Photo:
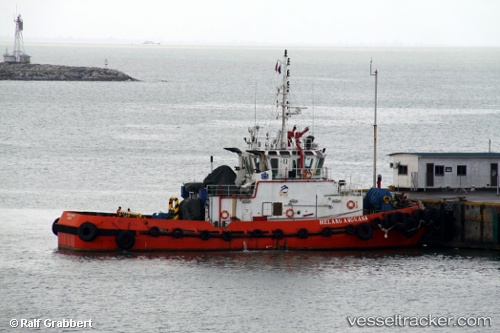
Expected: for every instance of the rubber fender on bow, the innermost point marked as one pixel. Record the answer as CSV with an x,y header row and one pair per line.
x,y
411,226
54,226
125,240
87,231
376,223
388,221
364,231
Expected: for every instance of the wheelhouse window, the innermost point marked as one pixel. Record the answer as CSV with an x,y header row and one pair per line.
x,y
274,167
402,170
309,162
461,170
439,170
319,165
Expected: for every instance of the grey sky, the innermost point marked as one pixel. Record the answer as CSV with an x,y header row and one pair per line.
x,y
261,22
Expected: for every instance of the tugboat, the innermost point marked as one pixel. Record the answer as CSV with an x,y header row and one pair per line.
x,y
279,196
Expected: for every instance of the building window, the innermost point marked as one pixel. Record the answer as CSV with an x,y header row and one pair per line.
x,y
461,170
439,170
402,170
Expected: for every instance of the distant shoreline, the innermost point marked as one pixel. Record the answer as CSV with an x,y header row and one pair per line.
x,y
40,72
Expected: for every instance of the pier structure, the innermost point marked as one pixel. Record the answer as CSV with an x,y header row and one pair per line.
x,y
470,220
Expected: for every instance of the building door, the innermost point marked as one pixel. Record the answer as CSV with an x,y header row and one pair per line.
x,y
494,174
429,175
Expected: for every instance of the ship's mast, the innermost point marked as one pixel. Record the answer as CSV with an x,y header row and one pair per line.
x,y
374,129
285,88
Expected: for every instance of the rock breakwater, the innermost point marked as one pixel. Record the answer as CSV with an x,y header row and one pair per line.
x,y
38,72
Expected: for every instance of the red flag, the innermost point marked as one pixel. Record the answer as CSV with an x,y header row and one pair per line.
x,y
277,68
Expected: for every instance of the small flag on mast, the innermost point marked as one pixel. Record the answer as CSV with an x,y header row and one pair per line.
x,y
277,68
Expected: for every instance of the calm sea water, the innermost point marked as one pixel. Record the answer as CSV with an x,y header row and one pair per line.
x,y
99,145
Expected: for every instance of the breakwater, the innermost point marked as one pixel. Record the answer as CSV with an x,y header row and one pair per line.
x,y
39,72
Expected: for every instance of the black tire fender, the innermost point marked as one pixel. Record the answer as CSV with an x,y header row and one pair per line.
x,y
227,236
303,233
278,234
125,240
376,222
205,235
257,233
364,231
178,233
154,231
350,229
87,231
327,231
54,226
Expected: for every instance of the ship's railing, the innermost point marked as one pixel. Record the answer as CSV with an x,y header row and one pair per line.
x,y
229,190
300,173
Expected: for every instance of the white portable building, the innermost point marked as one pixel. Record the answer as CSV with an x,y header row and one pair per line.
x,y
426,171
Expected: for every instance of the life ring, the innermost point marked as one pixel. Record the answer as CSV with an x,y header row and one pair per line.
x,y
290,213
87,231
303,233
278,234
307,174
227,236
350,204
154,231
364,231
224,214
125,240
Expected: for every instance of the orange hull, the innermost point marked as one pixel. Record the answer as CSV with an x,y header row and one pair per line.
x,y
85,231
